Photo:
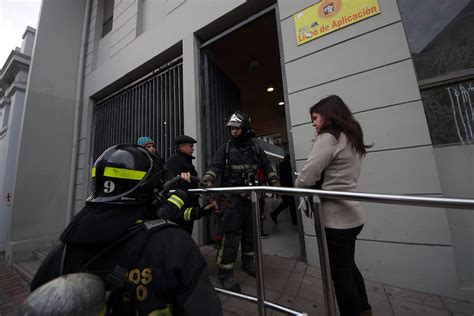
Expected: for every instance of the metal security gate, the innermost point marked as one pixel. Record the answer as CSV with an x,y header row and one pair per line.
x,y
152,107
220,98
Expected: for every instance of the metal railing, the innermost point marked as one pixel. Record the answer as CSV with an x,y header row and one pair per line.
x,y
320,231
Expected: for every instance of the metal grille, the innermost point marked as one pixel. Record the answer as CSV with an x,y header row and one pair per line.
x,y
221,98
151,107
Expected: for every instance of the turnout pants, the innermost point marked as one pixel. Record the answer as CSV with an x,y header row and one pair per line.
x,y
237,225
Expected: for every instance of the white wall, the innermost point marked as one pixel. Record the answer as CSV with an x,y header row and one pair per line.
x,y
369,65
44,156
456,171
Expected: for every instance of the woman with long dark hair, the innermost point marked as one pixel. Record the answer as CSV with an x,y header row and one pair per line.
x,y
334,163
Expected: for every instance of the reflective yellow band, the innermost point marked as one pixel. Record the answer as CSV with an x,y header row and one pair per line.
x,y
139,221
220,252
271,174
228,266
244,167
124,173
93,172
187,214
164,311
102,311
176,201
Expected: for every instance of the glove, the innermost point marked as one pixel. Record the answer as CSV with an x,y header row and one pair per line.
x,y
207,181
203,212
209,208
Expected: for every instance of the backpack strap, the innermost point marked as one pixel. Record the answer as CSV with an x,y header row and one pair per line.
x,y
226,159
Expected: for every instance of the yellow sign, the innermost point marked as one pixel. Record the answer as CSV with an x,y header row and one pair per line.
x,y
328,16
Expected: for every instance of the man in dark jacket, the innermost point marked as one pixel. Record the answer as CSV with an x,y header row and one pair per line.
x,y
287,200
237,161
182,161
150,265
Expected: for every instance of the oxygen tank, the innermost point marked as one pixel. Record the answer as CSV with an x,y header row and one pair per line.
x,y
77,294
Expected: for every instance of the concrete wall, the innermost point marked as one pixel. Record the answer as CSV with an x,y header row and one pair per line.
x,y
43,169
369,65
456,171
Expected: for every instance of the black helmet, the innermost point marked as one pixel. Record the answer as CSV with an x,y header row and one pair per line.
x,y
125,174
242,120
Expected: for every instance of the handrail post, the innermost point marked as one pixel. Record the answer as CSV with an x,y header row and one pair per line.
x,y
319,227
258,255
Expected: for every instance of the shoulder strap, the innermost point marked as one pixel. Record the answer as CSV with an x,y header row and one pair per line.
x,y
226,159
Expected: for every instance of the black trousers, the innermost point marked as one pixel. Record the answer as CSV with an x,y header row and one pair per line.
x,y
349,285
287,201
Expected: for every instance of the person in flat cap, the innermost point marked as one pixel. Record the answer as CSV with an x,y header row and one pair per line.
x,y
182,161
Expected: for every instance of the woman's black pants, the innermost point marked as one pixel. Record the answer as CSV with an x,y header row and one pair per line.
x,y
349,285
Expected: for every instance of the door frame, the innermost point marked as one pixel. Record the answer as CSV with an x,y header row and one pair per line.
x,y
203,45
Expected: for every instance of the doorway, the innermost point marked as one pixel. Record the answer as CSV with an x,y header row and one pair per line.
x,y
241,70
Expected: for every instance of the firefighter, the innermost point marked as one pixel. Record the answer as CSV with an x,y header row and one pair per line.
x,y
237,162
182,161
150,265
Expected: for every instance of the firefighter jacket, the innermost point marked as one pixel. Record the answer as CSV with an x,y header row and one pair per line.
x,y
236,160
176,164
163,269
181,212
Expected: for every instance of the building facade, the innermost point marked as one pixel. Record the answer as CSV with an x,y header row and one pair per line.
x,y
13,82
107,71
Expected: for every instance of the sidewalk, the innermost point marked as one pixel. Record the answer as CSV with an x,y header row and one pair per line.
x,y
288,282
13,289
294,284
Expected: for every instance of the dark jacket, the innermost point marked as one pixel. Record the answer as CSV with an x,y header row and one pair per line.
x,y
176,164
284,169
181,162
244,158
164,267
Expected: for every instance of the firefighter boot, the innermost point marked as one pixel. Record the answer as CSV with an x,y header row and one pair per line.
x,y
228,282
248,265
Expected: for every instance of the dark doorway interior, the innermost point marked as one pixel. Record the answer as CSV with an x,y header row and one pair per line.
x,y
250,58
242,70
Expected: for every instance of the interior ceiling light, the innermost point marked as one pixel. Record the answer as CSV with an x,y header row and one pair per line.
x,y
281,103
269,87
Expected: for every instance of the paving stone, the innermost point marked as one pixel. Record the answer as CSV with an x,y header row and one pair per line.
x,y
309,307
240,307
300,267
287,300
380,304
270,295
414,297
294,283
402,307
275,279
279,263
458,308
311,289
313,271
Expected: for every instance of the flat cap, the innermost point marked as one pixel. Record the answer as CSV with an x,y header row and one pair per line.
x,y
184,139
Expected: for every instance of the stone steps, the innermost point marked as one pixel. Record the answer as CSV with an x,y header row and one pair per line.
x,y
28,267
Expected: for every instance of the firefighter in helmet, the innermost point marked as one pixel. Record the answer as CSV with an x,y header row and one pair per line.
x,y
150,265
237,162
